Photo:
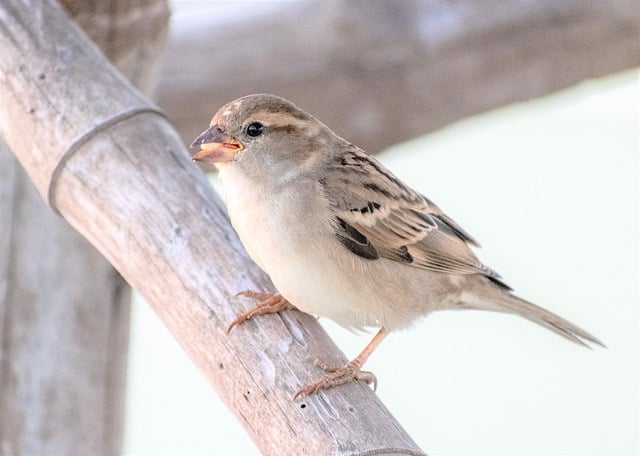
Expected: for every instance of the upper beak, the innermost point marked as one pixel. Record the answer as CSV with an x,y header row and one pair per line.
x,y
215,146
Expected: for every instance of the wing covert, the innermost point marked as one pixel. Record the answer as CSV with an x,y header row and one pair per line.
x,y
377,216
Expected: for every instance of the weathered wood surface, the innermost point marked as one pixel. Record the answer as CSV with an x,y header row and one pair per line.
x,y
131,34
65,315
119,174
380,73
64,310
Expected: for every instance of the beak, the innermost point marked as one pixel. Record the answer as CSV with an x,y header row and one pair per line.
x,y
215,146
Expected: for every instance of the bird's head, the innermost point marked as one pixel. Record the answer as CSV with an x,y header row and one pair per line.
x,y
263,131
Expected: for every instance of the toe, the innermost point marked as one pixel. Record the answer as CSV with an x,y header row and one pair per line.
x,y
325,366
269,303
337,376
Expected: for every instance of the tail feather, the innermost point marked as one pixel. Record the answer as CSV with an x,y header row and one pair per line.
x,y
508,303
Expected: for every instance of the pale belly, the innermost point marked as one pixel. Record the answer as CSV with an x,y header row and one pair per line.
x,y
330,281
319,276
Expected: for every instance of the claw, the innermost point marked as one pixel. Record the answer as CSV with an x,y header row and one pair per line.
x,y
337,375
254,294
325,366
269,303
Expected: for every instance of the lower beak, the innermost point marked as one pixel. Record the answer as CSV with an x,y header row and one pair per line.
x,y
215,146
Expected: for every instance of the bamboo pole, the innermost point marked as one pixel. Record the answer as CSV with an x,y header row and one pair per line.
x,y
107,160
64,310
64,332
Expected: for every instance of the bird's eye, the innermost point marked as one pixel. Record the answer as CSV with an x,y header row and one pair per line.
x,y
254,129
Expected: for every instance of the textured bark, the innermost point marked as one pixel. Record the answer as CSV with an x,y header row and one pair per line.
x,y
64,310
112,166
131,34
379,73
65,315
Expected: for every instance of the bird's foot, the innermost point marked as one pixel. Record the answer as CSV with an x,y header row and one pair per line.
x,y
269,303
337,375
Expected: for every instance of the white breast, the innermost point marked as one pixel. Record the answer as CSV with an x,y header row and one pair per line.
x,y
268,220
289,235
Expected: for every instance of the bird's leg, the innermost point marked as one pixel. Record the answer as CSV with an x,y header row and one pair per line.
x,y
269,303
339,375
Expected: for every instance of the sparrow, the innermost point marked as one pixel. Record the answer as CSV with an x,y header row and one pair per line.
x,y
341,236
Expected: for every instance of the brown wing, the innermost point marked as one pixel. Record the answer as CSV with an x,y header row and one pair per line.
x,y
377,216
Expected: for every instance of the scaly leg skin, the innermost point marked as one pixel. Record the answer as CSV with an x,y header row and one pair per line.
x,y
269,303
337,375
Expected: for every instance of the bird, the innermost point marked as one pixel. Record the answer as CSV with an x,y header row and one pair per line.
x,y
341,236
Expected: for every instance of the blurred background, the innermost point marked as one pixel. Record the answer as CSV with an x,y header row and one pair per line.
x,y
550,188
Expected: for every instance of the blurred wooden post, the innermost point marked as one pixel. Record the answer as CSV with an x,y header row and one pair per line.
x,y
64,310
112,166
378,72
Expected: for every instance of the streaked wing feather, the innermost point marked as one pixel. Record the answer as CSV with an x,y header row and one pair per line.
x,y
379,216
